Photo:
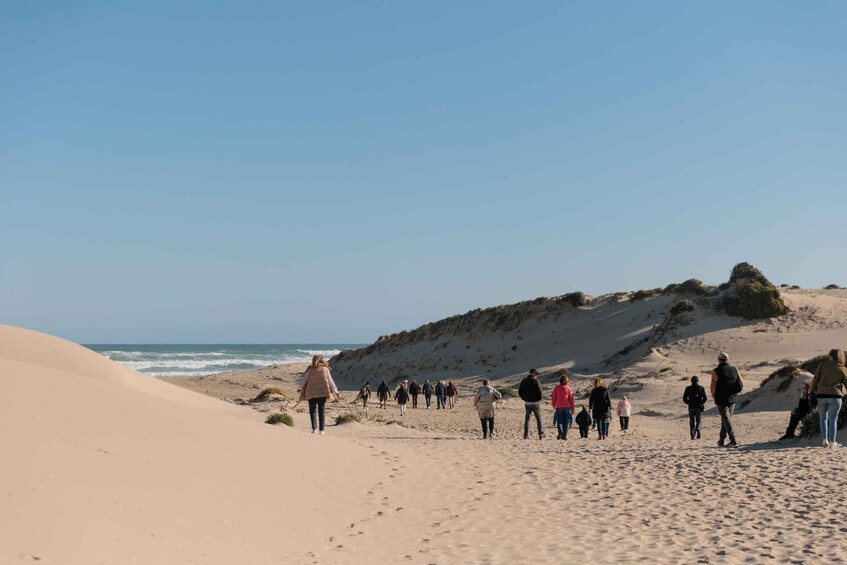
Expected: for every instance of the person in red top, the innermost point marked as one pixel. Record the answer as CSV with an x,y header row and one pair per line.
x,y
563,403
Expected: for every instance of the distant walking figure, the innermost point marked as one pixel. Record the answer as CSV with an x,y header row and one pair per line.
x,y
726,384
427,392
484,400
797,415
316,386
414,390
530,392
583,420
695,397
563,404
452,393
828,385
624,410
402,397
382,394
441,395
365,394
601,407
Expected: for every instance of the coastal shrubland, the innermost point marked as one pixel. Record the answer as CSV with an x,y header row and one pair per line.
x,y
684,305
346,419
268,393
280,418
691,286
749,294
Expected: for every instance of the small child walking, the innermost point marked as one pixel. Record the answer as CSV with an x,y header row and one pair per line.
x,y
584,421
624,410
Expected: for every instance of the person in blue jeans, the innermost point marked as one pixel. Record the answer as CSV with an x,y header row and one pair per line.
x,y
600,405
829,387
441,395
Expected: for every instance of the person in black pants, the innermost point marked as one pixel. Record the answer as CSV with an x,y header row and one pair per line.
x,y
695,397
414,390
583,420
530,392
797,415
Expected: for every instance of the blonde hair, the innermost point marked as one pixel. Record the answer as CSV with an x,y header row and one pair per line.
x,y
600,383
318,361
837,356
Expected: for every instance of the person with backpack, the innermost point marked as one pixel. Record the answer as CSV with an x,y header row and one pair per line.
x,y
427,392
452,393
563,404
484,400
828,386
583,420
414,390
365,394
695,397
530,392
382,393
316,386
402,397
624,410
441,395
726,384
600,405
803,408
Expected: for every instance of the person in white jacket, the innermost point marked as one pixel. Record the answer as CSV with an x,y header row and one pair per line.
x,y
624,410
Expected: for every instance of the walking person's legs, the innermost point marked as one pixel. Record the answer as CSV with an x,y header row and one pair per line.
x,y
491,427
313,412
537,411
828,408
726,422
526,421
321,413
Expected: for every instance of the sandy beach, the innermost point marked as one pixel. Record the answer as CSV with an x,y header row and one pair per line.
x,y
110,466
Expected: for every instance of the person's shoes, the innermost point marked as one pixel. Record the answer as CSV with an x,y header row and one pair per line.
x,y
314,431
835,444
484,436
720,443
323,433
732,445
559,435
526,437
825,443
692,435
785,437
698,434
541,436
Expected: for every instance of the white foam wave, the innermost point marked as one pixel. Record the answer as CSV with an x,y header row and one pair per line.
x,y
324,352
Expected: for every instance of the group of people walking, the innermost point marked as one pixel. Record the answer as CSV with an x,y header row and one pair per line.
x,y
445,394
825,392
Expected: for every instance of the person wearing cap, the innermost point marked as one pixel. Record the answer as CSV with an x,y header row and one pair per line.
x,y
726,384
695,397
530,392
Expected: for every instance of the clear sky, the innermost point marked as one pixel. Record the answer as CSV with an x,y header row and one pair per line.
x,y
333,171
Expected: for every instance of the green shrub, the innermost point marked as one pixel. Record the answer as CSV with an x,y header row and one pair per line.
x,y
670,288
576,299
684,305
346,419
507,391
754,300
692,286
645,294
787,374
747,272
831,287
267,393
280,418
795,287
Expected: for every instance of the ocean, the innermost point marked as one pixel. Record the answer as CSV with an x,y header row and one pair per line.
x,y
206,359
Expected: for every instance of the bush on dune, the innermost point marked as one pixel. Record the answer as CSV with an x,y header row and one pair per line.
x,y
751,295
831,287
346,419
692,286
268,393
576,299
507,392
645,294
684,305
280,418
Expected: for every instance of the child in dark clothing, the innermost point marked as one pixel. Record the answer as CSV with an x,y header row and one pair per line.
x,y
583,420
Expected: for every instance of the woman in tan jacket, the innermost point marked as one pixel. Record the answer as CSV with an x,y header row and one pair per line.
x,y
317,386
828,385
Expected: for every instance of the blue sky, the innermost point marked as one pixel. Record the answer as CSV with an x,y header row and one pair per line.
x,y
327,172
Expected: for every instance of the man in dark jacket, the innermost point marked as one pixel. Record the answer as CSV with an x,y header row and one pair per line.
x,y
726,384
414,390
695,397
530,393
427,392
382,393
441,395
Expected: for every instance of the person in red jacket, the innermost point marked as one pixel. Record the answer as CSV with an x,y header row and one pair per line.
x,y
563,403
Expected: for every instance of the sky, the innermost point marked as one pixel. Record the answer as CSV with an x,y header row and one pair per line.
x,y
278,172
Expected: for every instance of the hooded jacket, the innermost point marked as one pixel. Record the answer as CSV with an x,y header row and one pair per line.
x,y
695,397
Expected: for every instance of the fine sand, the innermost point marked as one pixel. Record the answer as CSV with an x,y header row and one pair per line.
x,y
104,465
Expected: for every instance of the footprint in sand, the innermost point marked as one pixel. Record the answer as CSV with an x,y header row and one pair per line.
x,y
28,557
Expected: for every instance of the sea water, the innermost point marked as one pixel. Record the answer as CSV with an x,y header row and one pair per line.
x,y
194,360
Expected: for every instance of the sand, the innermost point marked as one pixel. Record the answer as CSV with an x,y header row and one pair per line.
x,y
104,465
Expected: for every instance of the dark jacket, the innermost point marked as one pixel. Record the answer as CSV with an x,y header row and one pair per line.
x,y
451,390
382,390
695,397
583,420
599,402
530,389
727,384
803,407
402,395
414,389
427,389
440,390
